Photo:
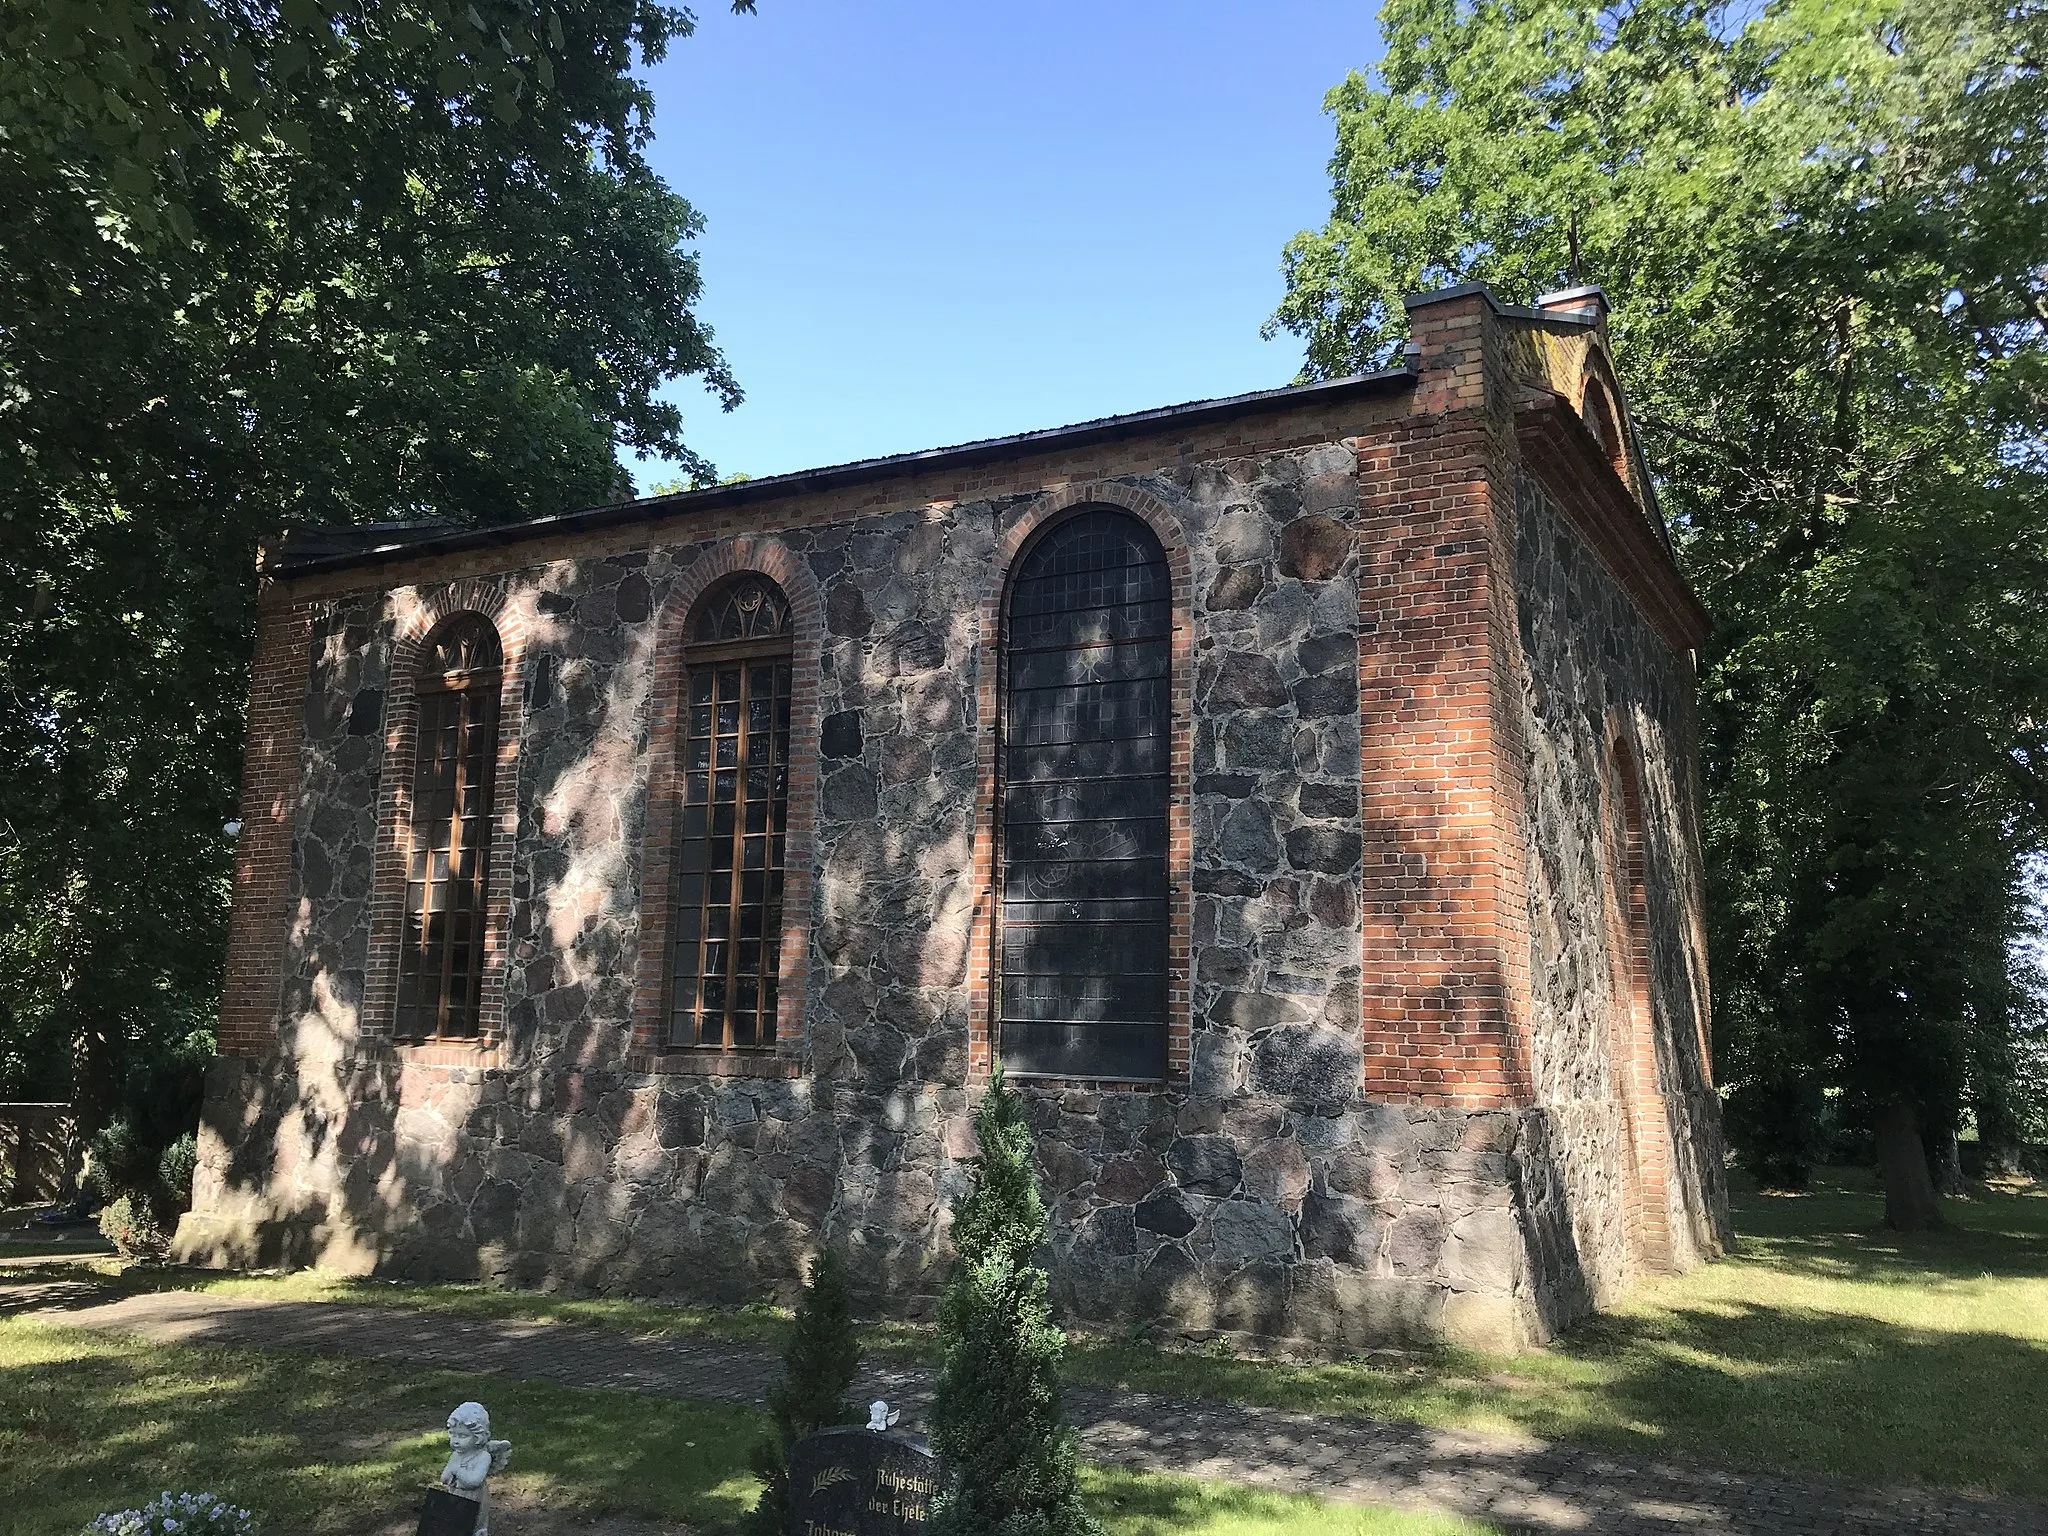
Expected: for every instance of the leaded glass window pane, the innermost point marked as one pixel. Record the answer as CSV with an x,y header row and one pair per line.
x,y
752,608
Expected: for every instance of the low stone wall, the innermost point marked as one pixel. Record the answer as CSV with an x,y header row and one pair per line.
x,y
1346,1225
38,1153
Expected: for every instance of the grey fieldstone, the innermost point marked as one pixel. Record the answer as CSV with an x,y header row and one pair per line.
x,y
1168,1214
1306,1061
1205,1165
1248,1232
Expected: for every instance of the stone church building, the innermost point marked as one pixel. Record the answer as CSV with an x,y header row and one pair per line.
x,y
1295,792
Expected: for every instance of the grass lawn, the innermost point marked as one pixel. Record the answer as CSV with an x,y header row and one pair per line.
x,y
91,1422
1823,1344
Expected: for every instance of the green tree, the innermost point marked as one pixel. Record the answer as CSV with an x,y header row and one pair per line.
x,y
998,1425
1821,226
818,1370
274,262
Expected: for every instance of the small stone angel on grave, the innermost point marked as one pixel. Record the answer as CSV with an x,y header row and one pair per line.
x,y
881,1416
473,1456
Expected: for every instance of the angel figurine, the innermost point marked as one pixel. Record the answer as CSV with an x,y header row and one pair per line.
x,y
473,1456
881,1416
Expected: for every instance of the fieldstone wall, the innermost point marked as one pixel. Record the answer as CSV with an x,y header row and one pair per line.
x,y
1592,670
1267,1197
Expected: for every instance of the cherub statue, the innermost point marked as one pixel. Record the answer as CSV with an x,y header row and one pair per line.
x,y
881,1416
473,1456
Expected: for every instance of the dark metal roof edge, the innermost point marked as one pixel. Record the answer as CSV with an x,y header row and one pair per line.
x,y
832,475
1444,295
1584,317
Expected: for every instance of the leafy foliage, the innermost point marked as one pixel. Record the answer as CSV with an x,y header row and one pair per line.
x,y
273,262
998,1425
1820,225
819,1366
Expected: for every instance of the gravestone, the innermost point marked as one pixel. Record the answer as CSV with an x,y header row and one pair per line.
x,y
445,1514
855,1482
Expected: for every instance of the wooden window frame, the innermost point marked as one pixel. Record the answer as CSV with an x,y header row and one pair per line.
x,y
744,656
483,685
711,567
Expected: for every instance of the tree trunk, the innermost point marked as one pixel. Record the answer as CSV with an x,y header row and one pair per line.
x,y
1910,1203
1945,1164
1998,1130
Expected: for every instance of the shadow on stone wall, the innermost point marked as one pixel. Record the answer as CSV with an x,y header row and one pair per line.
x,y
1272,1200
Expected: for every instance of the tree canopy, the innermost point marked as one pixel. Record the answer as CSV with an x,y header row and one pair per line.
x,y
275,262
1821,226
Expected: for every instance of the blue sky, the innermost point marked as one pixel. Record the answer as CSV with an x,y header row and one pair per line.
x,y
929,223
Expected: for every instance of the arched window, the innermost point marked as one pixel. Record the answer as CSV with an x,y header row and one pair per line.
x,y
448,839
1084,759
735,819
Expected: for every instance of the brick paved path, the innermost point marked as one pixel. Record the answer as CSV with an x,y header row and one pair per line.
x,y
1519,1483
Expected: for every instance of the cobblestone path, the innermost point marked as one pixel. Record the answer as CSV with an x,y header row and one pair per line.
x,y
1521,1484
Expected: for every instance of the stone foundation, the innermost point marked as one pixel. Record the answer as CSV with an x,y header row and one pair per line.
x,y
1334,1225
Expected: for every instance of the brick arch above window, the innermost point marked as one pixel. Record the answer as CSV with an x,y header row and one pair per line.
x,y
675,636
1021,528
1600,409
419,613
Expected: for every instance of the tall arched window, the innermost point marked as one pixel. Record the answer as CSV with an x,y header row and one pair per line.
x,y
448,841
735,819
1084,756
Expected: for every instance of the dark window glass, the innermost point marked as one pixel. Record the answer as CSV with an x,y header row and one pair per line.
x,y
448,837
734,820
1084,785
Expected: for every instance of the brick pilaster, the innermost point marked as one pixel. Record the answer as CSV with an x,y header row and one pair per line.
x,y
1446,997
251,992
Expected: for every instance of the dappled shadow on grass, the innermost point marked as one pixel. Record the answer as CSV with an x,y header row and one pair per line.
x,y
91,1422
1825,1345
1436,1387
1838,1233
1147,1504
761,1323
1791,1387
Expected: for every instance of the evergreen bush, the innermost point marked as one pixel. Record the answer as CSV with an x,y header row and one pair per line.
x,y
175,1169
118,1162
999,1427
819,1367
130,1224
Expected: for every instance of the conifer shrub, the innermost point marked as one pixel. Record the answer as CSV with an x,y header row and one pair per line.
x,y
130,1223
999,1427
818,1371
